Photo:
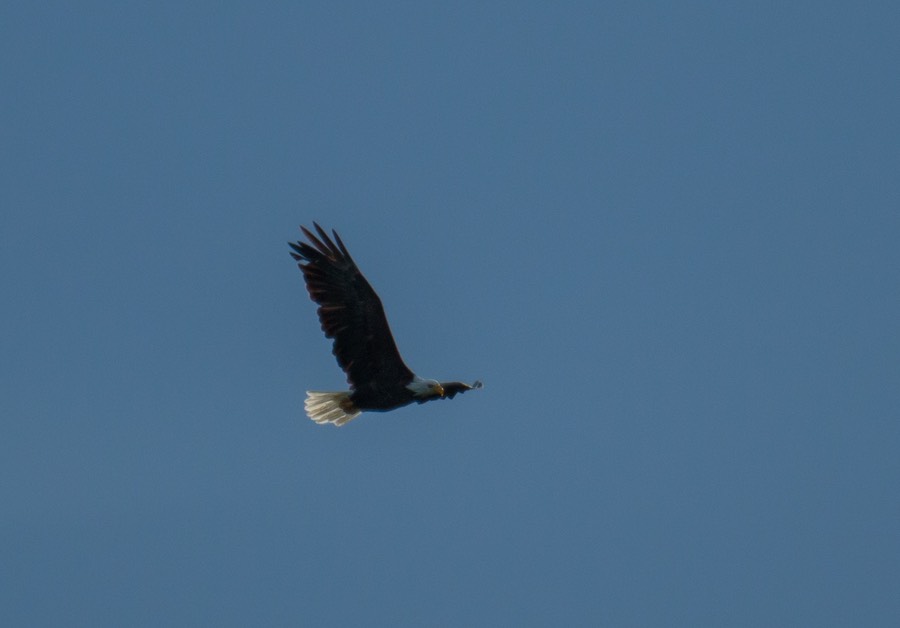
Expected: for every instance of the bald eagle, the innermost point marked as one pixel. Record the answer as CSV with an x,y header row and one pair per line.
x,y
351,314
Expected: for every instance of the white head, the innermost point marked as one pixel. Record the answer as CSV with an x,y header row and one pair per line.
x,y
425,387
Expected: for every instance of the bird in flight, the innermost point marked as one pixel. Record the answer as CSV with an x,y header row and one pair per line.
x,y
351,315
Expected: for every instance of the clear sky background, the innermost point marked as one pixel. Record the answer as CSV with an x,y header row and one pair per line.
x,y
666,237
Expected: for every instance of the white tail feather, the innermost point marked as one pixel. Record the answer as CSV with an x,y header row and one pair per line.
x,y
330,407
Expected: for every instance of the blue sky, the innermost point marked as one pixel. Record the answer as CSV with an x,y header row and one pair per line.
x,y
666,238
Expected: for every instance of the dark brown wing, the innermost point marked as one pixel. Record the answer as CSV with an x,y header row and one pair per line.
x,y
351,313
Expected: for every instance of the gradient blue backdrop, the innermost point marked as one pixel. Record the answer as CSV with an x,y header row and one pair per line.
x,y
667,238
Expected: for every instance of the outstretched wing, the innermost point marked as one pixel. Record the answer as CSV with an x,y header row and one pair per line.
x,y
351,313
